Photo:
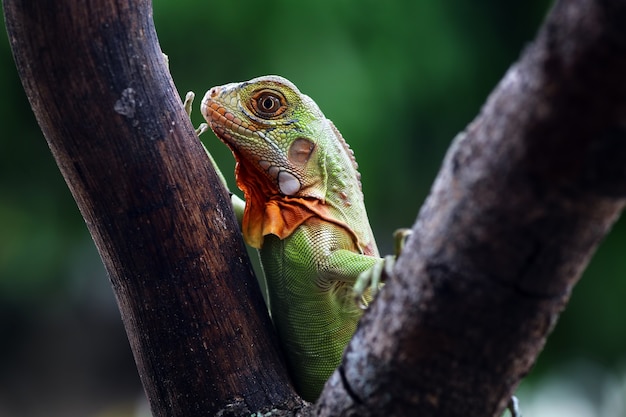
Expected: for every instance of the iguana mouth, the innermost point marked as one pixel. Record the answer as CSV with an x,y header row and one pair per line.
x,y
221,116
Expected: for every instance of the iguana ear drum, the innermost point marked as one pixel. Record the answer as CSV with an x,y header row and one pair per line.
x,y
300,151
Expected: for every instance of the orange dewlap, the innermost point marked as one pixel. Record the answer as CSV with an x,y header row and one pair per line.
x,y
269,212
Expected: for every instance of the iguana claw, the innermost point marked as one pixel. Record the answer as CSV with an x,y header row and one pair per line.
x,y
374,277
189,101
400,237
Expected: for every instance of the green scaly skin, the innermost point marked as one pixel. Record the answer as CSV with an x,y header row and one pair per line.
x,y
288,149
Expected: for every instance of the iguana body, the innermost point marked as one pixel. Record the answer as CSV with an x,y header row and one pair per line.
x,y
304,211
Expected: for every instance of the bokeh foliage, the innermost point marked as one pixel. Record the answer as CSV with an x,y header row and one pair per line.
x,y
400,79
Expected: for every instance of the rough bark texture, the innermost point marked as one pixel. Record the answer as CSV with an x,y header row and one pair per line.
x,y
525,195
101,92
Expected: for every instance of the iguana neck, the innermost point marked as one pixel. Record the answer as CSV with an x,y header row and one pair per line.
x,y
270,212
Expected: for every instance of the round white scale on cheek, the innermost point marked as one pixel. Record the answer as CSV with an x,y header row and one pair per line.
x,y
288,183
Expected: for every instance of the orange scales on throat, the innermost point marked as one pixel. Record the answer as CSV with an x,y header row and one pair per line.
x,y
270,212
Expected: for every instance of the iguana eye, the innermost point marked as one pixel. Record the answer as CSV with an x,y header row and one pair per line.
x,y
268,104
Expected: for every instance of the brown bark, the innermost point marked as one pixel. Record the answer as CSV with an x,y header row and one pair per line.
x,y
524,196
102,94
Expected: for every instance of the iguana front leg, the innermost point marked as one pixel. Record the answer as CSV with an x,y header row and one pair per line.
x,y
374,277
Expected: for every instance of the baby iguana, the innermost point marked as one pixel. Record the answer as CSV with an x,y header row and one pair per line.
x,y
304,211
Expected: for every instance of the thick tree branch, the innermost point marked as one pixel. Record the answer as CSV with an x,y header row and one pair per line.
x,y
525,195
102,94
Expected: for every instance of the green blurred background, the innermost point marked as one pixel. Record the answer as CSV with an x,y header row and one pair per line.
x,y
399,79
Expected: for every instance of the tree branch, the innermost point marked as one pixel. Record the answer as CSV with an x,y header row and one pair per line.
x,y
102,94
524,196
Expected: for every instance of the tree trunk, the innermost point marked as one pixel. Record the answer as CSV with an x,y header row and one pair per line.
x,y
523,199
102,94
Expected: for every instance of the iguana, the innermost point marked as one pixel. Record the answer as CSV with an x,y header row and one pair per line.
x,y
304,211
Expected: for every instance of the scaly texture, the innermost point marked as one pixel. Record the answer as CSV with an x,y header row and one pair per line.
x,y
304,211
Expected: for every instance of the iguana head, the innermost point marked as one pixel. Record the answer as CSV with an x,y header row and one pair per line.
x,y
291,161
274,130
